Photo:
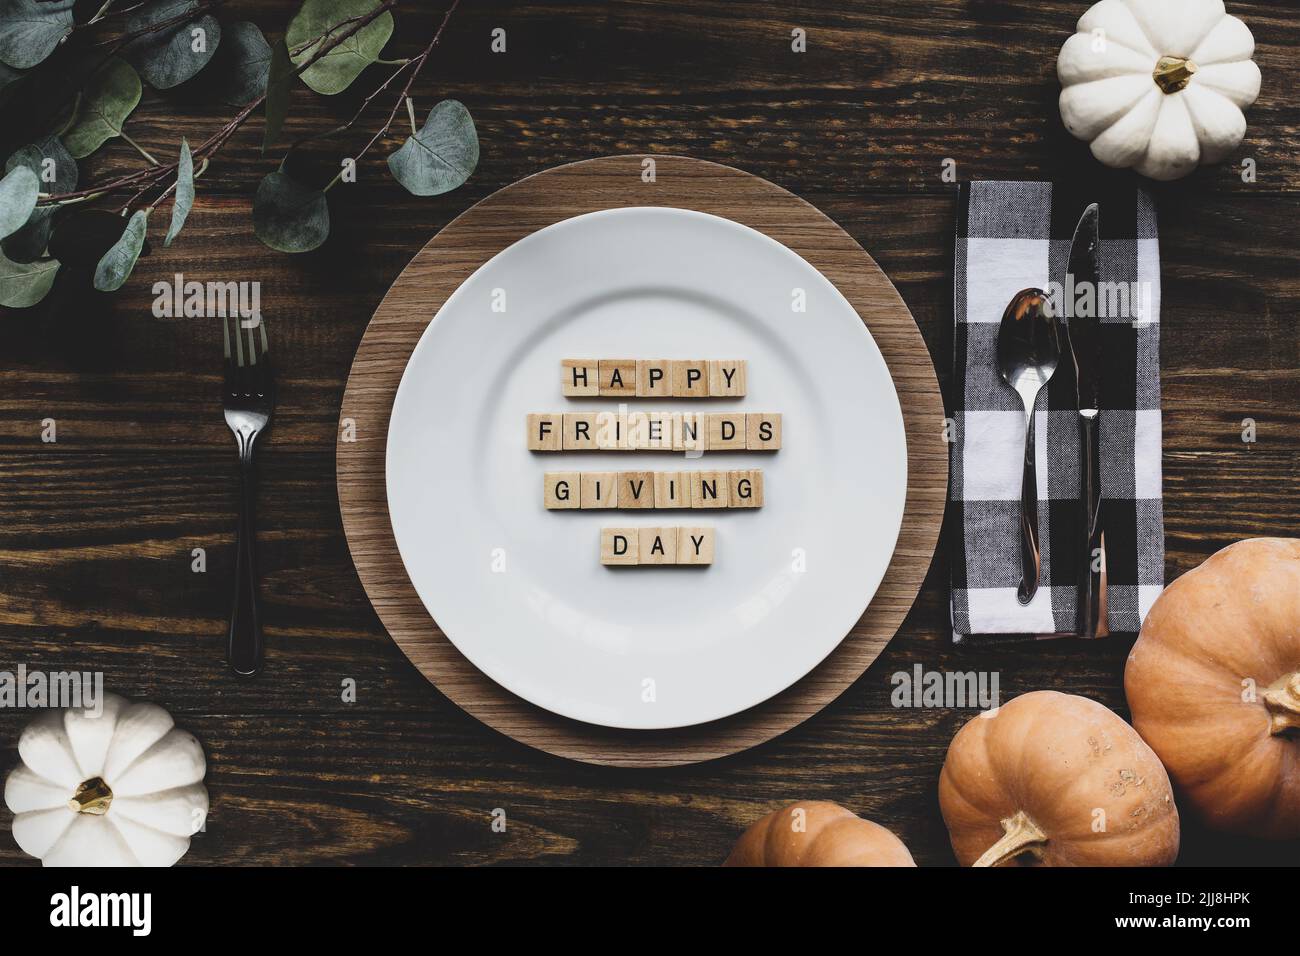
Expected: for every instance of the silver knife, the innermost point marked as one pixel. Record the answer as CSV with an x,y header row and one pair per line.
x,y
1085,346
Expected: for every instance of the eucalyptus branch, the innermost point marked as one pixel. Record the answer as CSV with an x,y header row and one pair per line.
x,y
118,42
304,47
147,179
417,65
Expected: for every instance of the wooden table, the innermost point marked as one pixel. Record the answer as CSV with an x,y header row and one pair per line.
x,y
97,530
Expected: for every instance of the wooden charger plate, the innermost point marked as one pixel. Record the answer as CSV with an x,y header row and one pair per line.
x,y
501,220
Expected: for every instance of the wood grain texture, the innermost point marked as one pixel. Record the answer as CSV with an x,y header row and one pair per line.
x,y
96,532
518,211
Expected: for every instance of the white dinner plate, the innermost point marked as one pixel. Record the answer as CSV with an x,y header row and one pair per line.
x,y
521,591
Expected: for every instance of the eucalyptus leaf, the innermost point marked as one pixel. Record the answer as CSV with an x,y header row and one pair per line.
x,y
23,284
243,63
289,216
116,266
277,93
31,29
18,191
110,96
335,71
441,155
169,57
82,236
184,192
57,171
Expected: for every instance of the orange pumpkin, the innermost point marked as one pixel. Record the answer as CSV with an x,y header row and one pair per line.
x,y
1053,779
1214,686
818,833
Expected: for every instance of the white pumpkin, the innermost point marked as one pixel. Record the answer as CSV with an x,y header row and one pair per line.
x,y
1158,85
121,789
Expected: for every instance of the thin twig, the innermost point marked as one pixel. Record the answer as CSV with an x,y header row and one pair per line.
x,y
418,64
118,42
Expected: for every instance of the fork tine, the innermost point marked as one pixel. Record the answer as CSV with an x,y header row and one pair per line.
x,y
231,370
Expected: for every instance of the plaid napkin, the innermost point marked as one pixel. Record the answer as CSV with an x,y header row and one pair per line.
x,y
1011,236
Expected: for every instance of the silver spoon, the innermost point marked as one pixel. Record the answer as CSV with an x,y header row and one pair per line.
x,y
1029,349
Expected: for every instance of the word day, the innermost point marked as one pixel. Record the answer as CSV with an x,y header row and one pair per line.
x,y
656,546
628,490
654,431
652,378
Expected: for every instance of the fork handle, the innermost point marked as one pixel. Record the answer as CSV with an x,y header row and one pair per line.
x,y
244,650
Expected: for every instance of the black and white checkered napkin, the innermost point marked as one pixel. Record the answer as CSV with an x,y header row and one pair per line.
x,y
1012,236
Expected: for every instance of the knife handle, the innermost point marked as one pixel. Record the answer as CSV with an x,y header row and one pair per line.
x,y
1092,600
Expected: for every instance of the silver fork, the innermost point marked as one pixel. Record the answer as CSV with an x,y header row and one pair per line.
x,y
248,399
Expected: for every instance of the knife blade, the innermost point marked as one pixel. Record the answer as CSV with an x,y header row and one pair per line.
x,y
1084,271
1084,275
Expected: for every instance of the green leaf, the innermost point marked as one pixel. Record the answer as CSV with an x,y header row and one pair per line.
x,y
278,86
440,156
57,170
31,29
184,192
170,57
82,236
111,94
336,70
18,192
243,64
289,216
23,284
116,266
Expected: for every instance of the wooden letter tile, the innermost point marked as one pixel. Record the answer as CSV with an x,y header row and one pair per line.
x,y
689,431
611,431
672,489
694,545
579,432
619,546
727,379
638,430
709,489
654,378
659,430
658,546
746,488
544,432
636,489
562,491
763,431
726,431
579,378
599,490
690,379
618,378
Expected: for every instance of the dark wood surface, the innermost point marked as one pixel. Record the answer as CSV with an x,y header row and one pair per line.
x,y
96,531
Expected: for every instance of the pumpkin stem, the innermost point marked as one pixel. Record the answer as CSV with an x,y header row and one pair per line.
x,y
1173,73
1022,835
1283,702
92,796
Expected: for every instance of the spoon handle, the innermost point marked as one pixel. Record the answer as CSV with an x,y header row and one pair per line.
x,y
1030,560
